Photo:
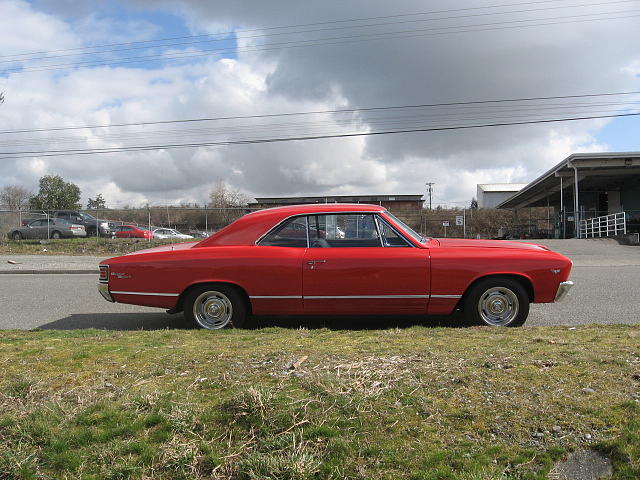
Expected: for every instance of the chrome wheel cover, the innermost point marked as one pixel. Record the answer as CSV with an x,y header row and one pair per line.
x,y
498,306
212,310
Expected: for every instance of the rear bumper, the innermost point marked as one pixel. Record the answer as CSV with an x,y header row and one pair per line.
x,y
103,288
563,290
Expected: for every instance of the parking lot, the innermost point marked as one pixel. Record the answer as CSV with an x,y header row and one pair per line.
x,y
606,276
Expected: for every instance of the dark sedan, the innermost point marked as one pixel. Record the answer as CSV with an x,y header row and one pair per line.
x,y
48,228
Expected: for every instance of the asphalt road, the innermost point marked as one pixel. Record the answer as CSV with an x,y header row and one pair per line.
x,y
606,274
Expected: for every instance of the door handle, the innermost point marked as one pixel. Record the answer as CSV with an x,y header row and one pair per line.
x,y
313,263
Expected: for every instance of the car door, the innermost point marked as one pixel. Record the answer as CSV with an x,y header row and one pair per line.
x,y
359,264
37,229
275,277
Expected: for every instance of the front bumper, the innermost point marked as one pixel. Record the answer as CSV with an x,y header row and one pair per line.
x,y
563,290
103,288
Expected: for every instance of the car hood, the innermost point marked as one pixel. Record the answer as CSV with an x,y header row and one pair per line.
x,y
457,242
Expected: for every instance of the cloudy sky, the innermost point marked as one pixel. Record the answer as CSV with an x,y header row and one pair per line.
x,y
103,64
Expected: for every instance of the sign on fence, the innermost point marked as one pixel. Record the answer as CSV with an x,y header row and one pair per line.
x,y
459,220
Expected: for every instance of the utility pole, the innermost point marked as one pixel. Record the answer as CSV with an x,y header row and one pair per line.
x,y
430,185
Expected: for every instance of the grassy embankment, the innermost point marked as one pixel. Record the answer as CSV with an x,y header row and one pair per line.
x,y
419,403
80,246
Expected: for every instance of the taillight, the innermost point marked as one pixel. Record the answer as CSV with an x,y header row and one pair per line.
x,y
104,274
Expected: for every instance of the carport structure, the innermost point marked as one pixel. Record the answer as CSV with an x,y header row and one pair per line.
x,y
586,186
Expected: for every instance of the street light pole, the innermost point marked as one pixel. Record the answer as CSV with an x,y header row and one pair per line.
x,y
430,185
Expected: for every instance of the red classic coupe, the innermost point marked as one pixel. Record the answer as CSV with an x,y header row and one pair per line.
x,y
352,259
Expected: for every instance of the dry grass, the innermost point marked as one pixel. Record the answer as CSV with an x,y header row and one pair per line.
x,y
80,246
419,403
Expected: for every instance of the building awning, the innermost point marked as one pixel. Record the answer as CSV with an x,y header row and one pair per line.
x,y
595,171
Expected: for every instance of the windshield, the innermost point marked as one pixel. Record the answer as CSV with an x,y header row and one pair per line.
x,y
87,217
405,227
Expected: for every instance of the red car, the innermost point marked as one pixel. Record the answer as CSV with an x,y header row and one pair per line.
x,y
377,265
131,231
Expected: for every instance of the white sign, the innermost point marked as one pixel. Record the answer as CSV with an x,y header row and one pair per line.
x,y
445,224
459,220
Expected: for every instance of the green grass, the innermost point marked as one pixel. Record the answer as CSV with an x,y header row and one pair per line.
x,y
80,246
418,403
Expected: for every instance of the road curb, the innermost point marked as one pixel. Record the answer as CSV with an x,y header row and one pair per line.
x,y
49,272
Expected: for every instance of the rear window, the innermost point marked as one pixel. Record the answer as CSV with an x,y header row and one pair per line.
x,y
290,233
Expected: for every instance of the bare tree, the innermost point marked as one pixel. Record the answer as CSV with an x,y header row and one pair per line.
x,y
227,202
15,197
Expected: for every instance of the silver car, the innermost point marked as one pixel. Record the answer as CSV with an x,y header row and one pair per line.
x,y
169,233
51,228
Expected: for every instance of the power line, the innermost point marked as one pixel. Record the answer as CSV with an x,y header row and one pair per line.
x,y
340,40
316,112
330,22
196,39
55,153
316,128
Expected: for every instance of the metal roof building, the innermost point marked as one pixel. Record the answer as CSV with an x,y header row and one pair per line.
x,y
584,186
491,194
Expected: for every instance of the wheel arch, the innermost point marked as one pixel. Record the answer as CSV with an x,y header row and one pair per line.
x,y
180,303
522,279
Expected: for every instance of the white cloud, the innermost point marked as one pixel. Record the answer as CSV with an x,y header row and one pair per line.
x,y
576,58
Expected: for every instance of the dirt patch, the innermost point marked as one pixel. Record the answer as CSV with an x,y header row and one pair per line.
x,y
582,465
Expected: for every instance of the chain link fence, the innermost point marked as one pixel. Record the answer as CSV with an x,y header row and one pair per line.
x,y
474,223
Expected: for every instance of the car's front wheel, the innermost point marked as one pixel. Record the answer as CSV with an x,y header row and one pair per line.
x,y
497,302
16,236
55,235
215,306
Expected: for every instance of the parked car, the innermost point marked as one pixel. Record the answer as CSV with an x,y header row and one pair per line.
x,y
51,228
89,222
198,233
164,233
381,266
132,231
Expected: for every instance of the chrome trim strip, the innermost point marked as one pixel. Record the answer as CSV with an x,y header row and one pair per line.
x,y
151,294
276,296
563,290
375,221
320,297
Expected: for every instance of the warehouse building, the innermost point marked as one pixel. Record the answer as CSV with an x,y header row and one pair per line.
x,y
592,194
491,194
390,202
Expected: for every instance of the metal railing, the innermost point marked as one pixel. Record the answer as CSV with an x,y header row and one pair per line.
x,y
614,224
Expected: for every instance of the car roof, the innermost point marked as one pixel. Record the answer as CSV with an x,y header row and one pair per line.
x,y
249,228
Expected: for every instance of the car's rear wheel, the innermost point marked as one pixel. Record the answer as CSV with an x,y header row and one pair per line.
x,y
16,236
497,302
215,306
56,235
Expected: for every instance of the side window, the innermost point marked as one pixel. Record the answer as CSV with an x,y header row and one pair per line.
x,y
343,230
389,236
291,233
37,223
